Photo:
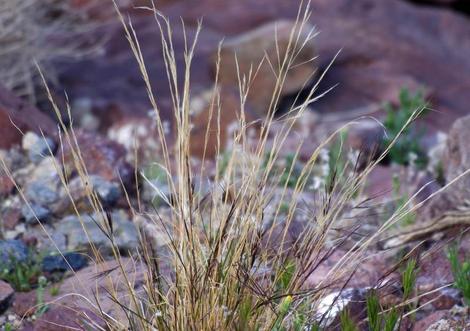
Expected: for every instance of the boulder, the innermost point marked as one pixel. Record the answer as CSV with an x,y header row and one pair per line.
x,y
455,161
66,318
205,120
71,309
258,50
17,116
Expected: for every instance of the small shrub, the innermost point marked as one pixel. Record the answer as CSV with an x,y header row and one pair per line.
x,y
399,122
24,276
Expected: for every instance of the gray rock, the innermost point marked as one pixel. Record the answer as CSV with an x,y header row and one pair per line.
x,y
35,212
12,252
37,147
38,192
62,263
124,232
108,191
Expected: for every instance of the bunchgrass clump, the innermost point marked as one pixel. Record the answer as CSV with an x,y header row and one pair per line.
x,y
212,260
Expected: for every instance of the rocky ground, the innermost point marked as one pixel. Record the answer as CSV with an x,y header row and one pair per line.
x,y
385,46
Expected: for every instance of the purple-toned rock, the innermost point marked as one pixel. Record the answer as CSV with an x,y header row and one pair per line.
x,y
101,156
59,318
17,114
264,48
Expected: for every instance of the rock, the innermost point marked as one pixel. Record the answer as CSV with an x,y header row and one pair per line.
x,y
456,160
445,298
24,116
38,192
202,120
330,307
53,263
109,192
46,170
140,133
101,157
250,49
97,281
6,293
34,212
12,252
455,319
10,218
24,303
366,137
424,323
457,153
367,273
60,318
363,30
6,185
125,233
435,273
37,146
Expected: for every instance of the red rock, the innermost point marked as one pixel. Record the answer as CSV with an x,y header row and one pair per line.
x,y
6,185
24,116
24,303
101,156
85,283
229,115
426,322
368,272
443,299
378,55
6,293
11,218
272,41
59,318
